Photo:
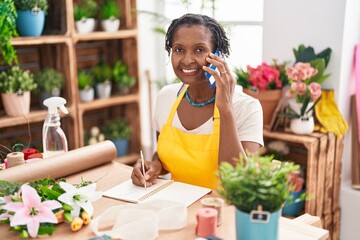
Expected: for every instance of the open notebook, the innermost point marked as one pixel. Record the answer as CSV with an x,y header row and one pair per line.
x,y
162,189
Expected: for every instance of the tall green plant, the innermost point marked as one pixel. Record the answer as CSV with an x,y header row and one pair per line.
x,y
85,9
109,9
8,30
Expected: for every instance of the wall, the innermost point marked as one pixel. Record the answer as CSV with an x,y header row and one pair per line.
x,y
321,24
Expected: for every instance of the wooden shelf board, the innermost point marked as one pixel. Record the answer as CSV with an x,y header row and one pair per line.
x,y
33,116
21,41
115,100
101,35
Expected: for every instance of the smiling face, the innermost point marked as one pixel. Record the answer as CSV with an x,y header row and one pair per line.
x,y
191,45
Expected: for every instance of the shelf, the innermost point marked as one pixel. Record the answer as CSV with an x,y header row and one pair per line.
x,y
101,35
33,116
54,39
102,103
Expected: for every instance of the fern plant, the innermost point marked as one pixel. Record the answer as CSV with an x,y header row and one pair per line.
x,y
8,30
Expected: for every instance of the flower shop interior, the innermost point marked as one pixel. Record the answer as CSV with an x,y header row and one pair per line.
x,y
265,36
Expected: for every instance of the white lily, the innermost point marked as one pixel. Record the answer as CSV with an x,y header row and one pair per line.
x,y
79,197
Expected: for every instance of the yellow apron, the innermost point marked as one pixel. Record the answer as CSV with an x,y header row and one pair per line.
x,y
190,158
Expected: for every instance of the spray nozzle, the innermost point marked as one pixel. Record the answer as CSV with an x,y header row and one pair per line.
x,y
53,103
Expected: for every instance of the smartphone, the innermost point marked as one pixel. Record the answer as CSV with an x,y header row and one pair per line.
x,y
209,77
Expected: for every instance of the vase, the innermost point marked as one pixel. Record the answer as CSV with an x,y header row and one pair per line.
x,y
269,100
247,229
302,125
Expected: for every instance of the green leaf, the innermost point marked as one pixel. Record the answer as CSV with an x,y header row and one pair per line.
x,y
46,229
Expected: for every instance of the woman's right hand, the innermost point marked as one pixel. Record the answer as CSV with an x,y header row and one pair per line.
x,y
152,171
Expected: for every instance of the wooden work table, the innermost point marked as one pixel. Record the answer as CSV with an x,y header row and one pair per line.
x,y
114,173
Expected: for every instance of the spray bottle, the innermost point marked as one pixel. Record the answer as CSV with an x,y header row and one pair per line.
x,y
54,139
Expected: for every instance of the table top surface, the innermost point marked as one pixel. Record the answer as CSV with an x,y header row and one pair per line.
x,y
111,174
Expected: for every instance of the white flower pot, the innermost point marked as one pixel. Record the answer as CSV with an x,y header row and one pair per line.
x,y
85,26
304,125
103,90
297,107
86,95
110,25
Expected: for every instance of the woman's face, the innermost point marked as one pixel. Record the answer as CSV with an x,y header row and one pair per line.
x,y
191,45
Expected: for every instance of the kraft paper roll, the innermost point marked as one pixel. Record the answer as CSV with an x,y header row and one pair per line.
x,y
15,159
206,222
63,164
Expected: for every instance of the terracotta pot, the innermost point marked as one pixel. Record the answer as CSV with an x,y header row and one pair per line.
x,y
16,104
269,100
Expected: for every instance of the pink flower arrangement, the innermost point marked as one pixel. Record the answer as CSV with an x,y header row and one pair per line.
x,y
263,77
302,88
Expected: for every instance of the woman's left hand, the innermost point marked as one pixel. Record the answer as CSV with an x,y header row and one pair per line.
x,y
225,81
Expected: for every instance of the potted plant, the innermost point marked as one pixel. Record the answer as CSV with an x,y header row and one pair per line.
x,y
15,87
297,195
102,76
85,84
50,82
84,15
123,81
31,16
110,14
258,188
265,83
8,30
118,131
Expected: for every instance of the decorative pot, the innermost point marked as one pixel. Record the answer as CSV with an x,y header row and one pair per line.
x,y
87,95
247,229
16,104
269,100
110,25
103,90
85,26
121,145
303,125
294,208
30,23
297,106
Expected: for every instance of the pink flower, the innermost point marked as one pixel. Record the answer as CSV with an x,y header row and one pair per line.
x,y
6,215
264,75
32,211
301,71
298,88
315,90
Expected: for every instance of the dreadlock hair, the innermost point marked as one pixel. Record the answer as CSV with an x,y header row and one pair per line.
x,y
218,34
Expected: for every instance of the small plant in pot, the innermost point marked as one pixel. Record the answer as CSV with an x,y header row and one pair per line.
x,y
118,131
49,81
84,15
123,81
15,87
258,187
110,14
102,75
86,86
31,16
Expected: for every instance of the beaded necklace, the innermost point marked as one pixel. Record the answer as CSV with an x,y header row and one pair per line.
x,y
198,104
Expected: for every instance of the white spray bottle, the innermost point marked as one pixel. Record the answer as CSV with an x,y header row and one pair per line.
x,y
54,139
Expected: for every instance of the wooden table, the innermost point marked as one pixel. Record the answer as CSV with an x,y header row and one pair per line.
x,y
114,173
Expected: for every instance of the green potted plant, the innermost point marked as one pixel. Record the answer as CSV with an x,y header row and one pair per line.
x,y
15,87
8,17
86,86
84,14
49,81
123,81
118,131
31,16
110,16
102,75
258,188
297,195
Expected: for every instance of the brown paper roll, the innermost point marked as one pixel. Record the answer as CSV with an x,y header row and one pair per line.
x,y
15,159
64,164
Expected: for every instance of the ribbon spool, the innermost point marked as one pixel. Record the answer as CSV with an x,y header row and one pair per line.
x,y
15,159
206,222
217,203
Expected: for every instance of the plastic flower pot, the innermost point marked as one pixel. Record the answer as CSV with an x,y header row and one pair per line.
x,y
30,23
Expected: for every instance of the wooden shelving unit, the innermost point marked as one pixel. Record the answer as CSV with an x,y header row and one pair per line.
x,y
62,48
321,154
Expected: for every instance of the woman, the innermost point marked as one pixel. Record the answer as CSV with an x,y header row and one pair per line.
x,y
198,127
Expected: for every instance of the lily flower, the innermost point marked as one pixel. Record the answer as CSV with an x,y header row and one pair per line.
x,y
79,197
31,211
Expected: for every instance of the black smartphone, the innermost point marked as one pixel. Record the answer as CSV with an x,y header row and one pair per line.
x,y
209,77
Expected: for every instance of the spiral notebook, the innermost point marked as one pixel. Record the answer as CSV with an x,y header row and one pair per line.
x,y
163,189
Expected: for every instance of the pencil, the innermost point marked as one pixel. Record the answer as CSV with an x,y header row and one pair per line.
x,y
143,167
